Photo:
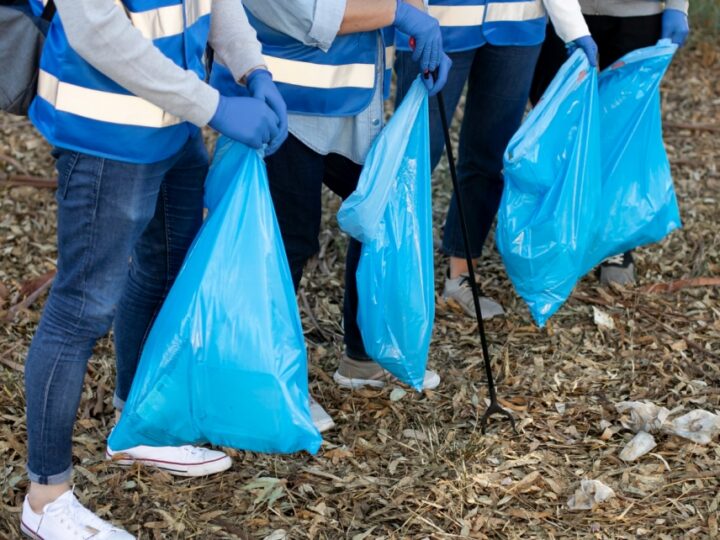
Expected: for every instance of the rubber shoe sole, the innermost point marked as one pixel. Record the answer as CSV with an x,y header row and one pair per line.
x,y
204,468
431,381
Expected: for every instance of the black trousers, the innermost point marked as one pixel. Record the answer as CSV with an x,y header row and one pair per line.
x,y
296,174
615,37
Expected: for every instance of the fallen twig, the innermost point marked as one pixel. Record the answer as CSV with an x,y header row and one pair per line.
x,y
679,284
32,181
14,162
41,288
692,127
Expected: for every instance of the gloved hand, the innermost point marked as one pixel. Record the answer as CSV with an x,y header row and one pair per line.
x,y
247,120
261,86
675,26
589,47
435,81
426,31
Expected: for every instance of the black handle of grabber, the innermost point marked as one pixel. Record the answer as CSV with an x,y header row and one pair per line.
x,y
494,407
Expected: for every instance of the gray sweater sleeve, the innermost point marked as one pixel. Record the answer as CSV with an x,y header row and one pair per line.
x,y
101,33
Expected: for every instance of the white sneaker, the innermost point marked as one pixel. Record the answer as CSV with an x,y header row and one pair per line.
x,y
322,420
356,374
66,519
178,460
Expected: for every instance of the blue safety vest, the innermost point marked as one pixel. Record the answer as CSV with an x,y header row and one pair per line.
x,y
339,82
79,108
469,24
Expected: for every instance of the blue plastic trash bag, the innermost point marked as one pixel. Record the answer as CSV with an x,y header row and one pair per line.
x,y
390,213
552,188
636,201
225,361
638,205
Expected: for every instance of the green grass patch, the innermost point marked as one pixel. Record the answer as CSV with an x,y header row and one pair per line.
x,y
705,18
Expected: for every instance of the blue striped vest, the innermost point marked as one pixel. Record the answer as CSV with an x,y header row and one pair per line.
x,y
339,82
79,108
469,24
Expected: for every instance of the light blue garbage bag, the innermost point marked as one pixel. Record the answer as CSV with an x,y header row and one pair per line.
x,y
635,203
225,360
552,188
390,213
638,204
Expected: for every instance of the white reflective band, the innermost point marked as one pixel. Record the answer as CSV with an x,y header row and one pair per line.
x,y
321,75
102,106
514,11
458,15
389,57
167,21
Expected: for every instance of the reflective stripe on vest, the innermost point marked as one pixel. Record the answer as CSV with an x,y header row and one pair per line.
x,y
102,106
339,82
514,22
80,108
469,24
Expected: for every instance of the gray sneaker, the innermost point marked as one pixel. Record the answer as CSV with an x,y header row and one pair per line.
x,y
357,373
618,269
459,291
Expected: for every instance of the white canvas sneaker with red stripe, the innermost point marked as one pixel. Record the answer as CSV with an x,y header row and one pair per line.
x,y
177,460
66,519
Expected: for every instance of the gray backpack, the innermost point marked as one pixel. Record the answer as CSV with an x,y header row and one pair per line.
x,y
22,35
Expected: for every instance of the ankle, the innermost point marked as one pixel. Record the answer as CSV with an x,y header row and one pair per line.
x,y
458,267
41,495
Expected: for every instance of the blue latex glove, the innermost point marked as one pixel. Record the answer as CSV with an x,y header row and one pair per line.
x,y
588,46
426,31
675,26
261,86
436,80
247,120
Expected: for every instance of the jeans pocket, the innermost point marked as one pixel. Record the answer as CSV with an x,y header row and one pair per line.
x,y
66,161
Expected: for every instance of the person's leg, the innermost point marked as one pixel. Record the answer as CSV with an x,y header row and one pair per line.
x,y
407,72
157,258
620,35
552,56
498,89
356,368
295,174
616,37
341,176
103,206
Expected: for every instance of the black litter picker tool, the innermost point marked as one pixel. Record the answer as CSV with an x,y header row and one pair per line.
x,y
494,407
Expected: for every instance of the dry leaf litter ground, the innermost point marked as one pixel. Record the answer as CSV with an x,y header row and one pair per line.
x,y
407,465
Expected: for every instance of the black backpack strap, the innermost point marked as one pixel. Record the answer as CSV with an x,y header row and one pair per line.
x,y
49,11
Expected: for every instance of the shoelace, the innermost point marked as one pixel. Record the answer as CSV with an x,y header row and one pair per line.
x,y
193,451
465,282
616,259
77,519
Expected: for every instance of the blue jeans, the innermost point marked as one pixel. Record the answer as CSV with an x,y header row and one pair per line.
x,y
123,231
296,174
499,81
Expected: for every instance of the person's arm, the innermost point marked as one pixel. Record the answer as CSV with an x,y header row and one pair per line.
x,y
675,26
367,15
101,33
680,5
312,22
567,19
234,40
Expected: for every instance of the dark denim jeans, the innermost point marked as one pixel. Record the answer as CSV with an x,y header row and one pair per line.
x,y
498,86
296,174
123,231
